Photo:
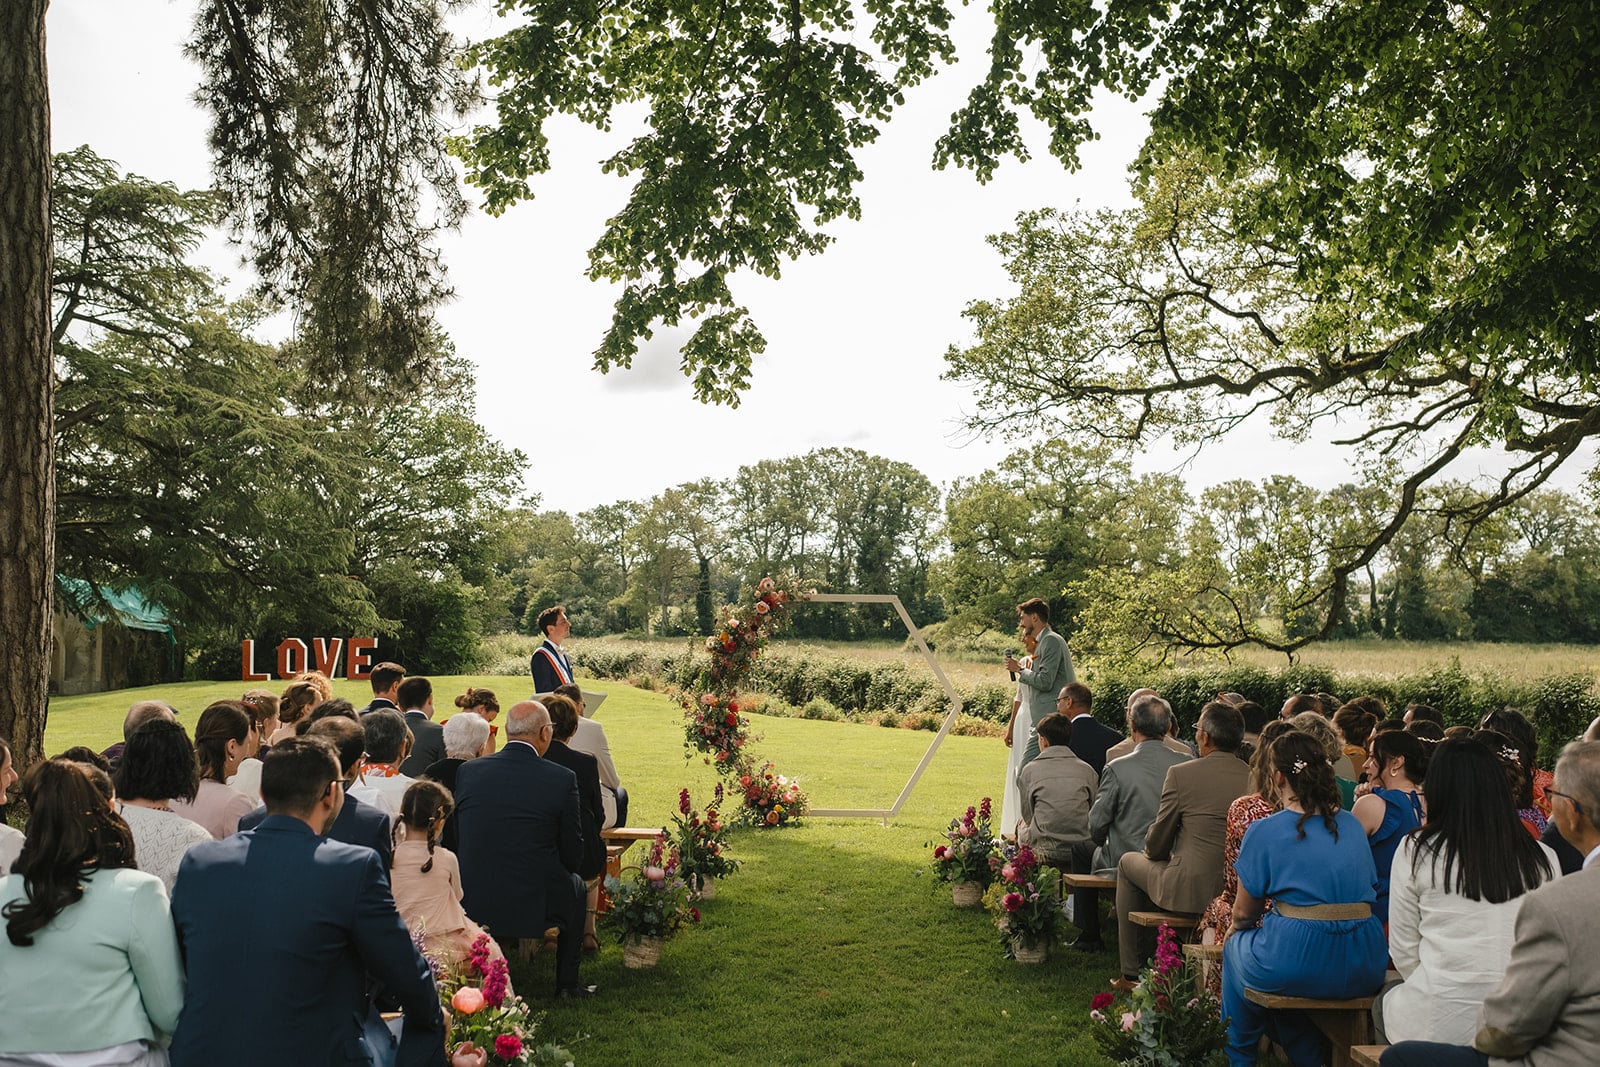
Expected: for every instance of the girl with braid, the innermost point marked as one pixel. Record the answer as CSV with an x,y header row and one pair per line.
x,y
426,878
1321,938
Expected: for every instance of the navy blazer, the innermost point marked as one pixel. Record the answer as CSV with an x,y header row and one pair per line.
x,y
1090,741
280,928
545,676
591,814
427,744
520,838
358,823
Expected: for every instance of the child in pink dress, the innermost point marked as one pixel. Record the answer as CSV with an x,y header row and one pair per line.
x,y
427,880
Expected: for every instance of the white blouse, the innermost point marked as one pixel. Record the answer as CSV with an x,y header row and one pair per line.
x,y
160,838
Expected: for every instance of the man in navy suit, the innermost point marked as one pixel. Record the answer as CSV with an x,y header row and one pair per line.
x,y
358,823
280,927
549,662
517,825
1090,739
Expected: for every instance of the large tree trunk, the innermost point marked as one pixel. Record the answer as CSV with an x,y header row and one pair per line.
x,y
27,381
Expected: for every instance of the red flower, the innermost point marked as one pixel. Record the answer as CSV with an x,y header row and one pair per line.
x,y
694,913
508,1046
732,719
940,852
1102,1001
683,801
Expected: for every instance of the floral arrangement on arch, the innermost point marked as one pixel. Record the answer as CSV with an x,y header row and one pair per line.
x,y
701,841
1024,899
488,1023
713,723
770,798
654,902
971,850
1170,1020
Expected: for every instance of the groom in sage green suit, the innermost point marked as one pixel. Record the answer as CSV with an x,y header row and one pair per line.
x,y
1052,668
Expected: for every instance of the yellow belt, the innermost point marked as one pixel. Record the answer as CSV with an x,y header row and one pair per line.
x,y
1323,912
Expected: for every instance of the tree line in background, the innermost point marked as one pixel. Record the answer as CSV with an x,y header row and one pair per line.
x,y
224,480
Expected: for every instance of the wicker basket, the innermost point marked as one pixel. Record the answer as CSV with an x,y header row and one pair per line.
x,y
1035,953
638,955
707,889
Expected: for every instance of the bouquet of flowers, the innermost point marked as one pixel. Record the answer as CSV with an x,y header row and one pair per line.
x,y
654,902
713,725
970,853
1170,1020
489,1025
1024,899
745,631
770,798
701,841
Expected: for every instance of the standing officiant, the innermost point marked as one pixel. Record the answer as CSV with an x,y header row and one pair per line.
x,y
1051,669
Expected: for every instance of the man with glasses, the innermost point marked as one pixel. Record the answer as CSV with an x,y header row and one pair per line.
x,y
1546,1011
281,929
520,843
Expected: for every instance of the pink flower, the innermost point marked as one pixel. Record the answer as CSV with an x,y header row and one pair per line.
x,y
984,808
1009,873
683,801
467,1000
508,1046
1101,1001
1128,1019
655,874
708,700
761,607
496,982
1011,901
767,585
1097,1016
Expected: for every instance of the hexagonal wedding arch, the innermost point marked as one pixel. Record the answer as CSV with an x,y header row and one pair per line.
x,y
933,664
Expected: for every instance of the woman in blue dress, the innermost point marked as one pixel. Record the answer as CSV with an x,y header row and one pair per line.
x,y
1395,807
1320,939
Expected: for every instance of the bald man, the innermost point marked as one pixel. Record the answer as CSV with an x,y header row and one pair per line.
x,y
520,844
142,712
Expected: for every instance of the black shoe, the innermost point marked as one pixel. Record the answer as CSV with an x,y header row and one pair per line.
x,y
1088,946
576,992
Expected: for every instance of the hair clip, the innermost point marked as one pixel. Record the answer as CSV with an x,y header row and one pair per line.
x,y
1299,765
1329,762
1507,752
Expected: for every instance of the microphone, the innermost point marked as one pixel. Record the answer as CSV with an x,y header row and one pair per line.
x,y
1010,654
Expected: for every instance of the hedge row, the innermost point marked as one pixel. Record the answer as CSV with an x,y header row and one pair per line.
x,y
1561,706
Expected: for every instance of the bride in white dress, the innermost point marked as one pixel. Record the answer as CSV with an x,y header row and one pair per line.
x,y
1017,731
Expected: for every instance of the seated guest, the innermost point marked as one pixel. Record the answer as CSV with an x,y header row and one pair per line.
x,y
1298,704
1533,820
1261,801
1320,939
1354,724
1090,740
591,738
10,837
1395,807
427,741
1180,868
1255,720
385,681
1130,787
1056,791
263,708
91,973
522,843
1425,731
427,879
357,822
141,713
1168,741
158,768
465,737
1454,892
293,706
482,703
1315,725
270,984
564,718
1525,739
386,744
223,738
1422,713
1546,1010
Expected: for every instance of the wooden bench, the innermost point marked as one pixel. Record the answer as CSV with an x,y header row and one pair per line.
x,y
1366,1055
618,839
1176,920
1088,881
1345,1023
1207,959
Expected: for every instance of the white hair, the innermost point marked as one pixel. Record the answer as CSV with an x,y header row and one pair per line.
x,y
464,735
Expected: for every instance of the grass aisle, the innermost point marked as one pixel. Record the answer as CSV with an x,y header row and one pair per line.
x,y
826,948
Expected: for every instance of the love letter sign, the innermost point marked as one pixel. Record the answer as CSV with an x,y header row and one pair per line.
x,y
322,654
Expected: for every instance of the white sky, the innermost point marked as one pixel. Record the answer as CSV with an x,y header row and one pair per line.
x,y
855,336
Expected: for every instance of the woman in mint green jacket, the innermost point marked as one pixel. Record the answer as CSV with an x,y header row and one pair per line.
x,y
89,969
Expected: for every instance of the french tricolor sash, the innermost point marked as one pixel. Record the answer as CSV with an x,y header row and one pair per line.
x,y
563,671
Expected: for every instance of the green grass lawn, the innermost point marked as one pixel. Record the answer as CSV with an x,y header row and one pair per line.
x,y
828,947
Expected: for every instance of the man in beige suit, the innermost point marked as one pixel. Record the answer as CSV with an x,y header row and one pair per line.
x,y
1546,1012
1180,868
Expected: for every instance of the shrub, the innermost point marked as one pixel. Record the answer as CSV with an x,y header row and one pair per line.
x,y
817,708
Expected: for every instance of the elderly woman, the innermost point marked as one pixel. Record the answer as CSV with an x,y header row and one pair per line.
x,y
85,931
466,736
157,769
224,738
1320,939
